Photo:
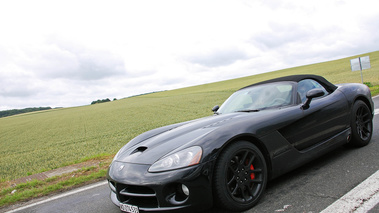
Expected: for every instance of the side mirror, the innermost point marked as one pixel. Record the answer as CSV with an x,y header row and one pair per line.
x,y
215,108
313,93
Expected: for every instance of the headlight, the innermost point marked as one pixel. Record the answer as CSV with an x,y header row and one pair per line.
x,y
187,157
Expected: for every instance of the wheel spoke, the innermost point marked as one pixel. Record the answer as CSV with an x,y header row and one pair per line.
x,y
244,157
360,133
234,192
366,122
232,164
255,171
364,134
234,160
256,180
366,130
362,111
246,194
364,114
231,168
250,161
251,191
231,180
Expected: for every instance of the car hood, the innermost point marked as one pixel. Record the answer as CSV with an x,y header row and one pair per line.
x,y
149,147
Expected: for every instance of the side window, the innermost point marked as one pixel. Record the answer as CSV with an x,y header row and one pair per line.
x,y
305,85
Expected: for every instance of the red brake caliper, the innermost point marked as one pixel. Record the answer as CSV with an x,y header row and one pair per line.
x,y
252,175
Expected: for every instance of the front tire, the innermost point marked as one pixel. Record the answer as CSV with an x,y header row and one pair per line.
x,y
240,176
361,124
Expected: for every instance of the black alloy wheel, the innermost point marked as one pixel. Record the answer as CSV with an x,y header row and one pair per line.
x,y
240,176
361,124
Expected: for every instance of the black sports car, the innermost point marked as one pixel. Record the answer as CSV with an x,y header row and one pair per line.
x,y
259,133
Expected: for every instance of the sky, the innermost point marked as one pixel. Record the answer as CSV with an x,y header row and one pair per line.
x,y
70,53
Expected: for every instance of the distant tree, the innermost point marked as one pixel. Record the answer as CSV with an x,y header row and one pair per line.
x,y
100,101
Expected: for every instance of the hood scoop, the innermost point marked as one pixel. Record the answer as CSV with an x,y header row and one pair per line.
x,y
139,149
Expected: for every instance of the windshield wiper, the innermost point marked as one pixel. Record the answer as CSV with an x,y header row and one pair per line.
x,y
249,110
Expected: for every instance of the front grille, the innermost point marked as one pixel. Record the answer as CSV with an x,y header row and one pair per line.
x,y
140,196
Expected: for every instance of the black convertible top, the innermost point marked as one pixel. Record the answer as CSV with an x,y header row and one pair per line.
x,y
296,78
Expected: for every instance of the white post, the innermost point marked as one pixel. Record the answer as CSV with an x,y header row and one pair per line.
x,y
360,66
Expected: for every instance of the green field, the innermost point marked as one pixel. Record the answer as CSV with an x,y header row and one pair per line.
x,y
39,141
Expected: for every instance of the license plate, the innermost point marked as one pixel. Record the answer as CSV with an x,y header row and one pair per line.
x,y
129,208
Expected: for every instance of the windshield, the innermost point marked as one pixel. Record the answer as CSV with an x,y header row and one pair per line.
x,y
260,97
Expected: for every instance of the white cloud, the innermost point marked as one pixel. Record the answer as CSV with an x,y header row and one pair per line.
x,y
218,57
70,53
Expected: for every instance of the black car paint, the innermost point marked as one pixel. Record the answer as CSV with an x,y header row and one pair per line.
x,y
288,137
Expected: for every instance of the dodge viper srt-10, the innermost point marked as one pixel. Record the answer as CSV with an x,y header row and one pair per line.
x,y
260,132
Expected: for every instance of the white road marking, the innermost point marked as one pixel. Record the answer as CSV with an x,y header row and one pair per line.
x,y
374,200
362,198
376,110
61,195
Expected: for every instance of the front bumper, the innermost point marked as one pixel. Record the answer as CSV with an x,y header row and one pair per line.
x,y
132,184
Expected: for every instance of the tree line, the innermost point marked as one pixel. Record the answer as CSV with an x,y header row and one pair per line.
x,y
102,101
11,112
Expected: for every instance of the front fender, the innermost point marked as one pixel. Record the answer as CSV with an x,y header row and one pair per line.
x,y
356,91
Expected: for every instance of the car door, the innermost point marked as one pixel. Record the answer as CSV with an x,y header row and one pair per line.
x,y
326,117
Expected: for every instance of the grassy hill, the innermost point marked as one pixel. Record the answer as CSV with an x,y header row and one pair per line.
x,y
35,142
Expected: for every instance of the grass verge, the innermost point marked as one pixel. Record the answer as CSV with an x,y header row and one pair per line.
x,y
11,193
374,90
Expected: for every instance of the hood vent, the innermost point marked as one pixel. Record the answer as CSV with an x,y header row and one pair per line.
x,y
139,149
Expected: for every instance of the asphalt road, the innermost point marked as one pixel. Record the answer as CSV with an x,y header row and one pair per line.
x,y
310,188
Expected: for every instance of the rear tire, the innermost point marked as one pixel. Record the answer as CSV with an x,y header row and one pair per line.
x,y
361,124
240,177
